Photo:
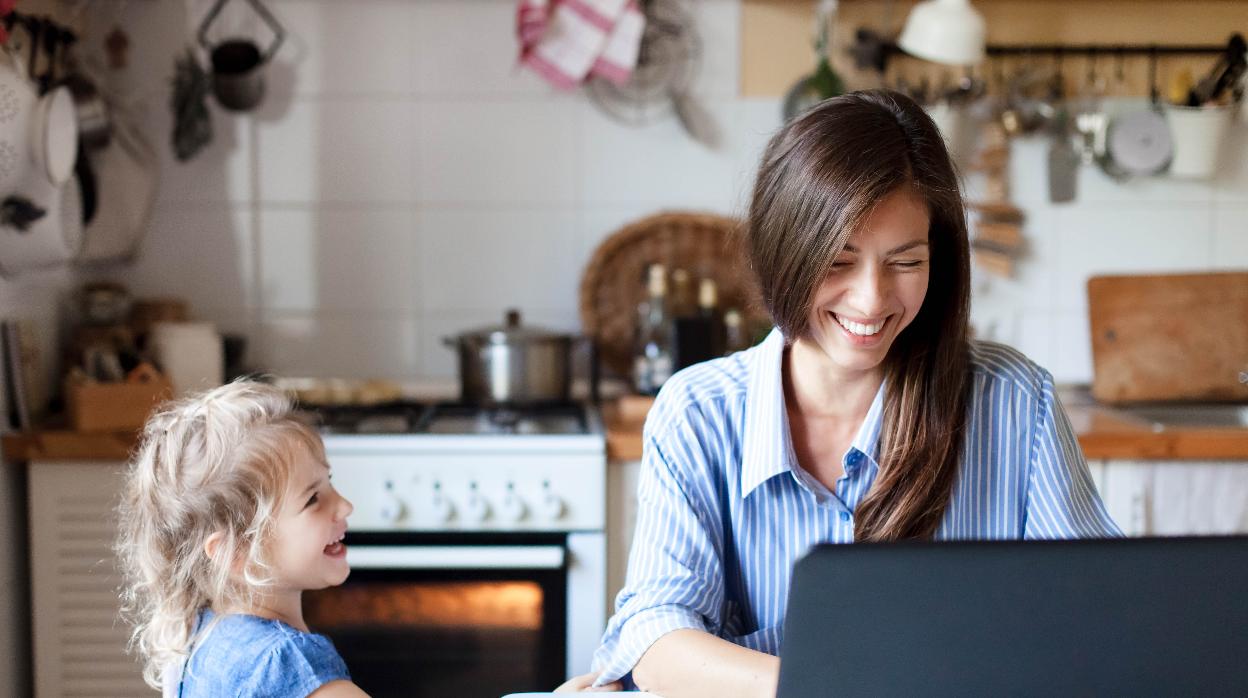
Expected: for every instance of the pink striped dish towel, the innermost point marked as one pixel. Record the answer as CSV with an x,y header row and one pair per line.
x,y
566,41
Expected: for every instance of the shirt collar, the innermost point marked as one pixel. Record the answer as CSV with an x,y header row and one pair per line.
x,y
764,445
766,450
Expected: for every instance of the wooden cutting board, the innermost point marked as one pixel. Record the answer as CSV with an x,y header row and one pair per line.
x,y
1181,337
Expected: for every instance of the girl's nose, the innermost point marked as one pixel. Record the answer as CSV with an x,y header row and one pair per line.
x,y
345,507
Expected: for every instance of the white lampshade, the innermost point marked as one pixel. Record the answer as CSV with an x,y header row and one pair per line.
x,y
944,31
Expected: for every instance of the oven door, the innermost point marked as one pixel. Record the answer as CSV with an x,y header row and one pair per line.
x,y
449,614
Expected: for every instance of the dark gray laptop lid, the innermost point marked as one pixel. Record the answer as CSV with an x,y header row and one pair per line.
x,y
1102,617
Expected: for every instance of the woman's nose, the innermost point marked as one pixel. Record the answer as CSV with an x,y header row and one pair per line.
x,y
870,287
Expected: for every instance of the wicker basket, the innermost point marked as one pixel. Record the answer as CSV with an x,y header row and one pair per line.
x,y
614,281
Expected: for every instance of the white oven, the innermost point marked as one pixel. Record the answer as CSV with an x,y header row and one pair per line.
x,y
478,560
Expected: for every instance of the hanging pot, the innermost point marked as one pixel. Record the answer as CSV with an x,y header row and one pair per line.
x,y
238,64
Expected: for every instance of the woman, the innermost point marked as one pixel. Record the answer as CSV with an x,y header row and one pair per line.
x,y
867,415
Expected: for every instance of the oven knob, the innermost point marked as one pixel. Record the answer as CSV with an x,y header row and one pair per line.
x,y
442,508
512,509
477,508
552,506
391,509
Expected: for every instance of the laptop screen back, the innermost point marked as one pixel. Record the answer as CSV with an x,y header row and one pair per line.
x,y
1093,617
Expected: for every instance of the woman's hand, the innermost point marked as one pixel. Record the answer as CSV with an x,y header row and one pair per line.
x,y
584,684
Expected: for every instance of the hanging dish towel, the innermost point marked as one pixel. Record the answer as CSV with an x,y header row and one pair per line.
x,y
566,41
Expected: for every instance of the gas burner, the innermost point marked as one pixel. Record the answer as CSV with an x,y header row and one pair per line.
x,y
456,418
446,418
387,418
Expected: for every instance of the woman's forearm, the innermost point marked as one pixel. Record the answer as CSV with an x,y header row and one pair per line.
x,y
694,664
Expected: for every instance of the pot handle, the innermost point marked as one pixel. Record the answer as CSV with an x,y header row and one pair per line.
x,y
451,342
279,32
591,345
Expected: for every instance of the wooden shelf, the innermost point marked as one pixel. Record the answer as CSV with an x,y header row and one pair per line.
x,y
777,47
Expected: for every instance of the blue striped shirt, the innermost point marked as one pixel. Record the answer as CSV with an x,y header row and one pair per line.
x,y
724,509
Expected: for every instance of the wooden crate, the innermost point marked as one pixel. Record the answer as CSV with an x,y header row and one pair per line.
x,y
113,406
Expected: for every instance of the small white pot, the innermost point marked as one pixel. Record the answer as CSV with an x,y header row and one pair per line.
x,y
1198,134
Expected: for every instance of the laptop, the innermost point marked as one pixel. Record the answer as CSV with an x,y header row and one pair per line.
x,y
1122,617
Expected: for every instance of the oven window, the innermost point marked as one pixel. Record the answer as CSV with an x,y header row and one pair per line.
x,y
459,633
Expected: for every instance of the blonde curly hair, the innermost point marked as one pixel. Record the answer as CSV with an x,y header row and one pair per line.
x,y
214,462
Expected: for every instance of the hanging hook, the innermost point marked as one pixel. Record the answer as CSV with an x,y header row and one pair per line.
x,y
1154,93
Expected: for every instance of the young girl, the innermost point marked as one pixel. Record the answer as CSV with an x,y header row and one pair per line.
x,y
227,517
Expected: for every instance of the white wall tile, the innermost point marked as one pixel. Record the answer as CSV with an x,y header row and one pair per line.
x,y
1037,338
519,152
219,173
410,181
758,121
1031,286
491,259
1231,182
717,24
995,321
1097,187
339,150
658,163
1072,358
596,224
1142,237
348,47
342,344
469,48
231,320
202,253
338,259
1230,244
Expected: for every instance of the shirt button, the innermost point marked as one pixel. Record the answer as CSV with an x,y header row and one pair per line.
x,y
844,516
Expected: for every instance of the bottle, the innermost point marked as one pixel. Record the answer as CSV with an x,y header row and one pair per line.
x,y
735,338
695,339
652,359
708,311
682,305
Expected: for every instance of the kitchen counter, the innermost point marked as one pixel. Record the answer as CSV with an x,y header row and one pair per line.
x,y
1104,433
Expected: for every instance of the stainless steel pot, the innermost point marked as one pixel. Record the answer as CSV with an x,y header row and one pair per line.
x,y
510,364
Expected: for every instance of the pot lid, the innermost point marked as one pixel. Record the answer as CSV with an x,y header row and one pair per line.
x,y
1139,143
511,331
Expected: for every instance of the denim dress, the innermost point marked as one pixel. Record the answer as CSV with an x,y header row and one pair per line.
x,y
242,655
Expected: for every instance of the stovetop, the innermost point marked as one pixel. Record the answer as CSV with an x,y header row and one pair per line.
x,y
447,418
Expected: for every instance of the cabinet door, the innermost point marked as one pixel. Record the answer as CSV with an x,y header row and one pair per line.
x,y
1124,489
79,643
1172,498
621,520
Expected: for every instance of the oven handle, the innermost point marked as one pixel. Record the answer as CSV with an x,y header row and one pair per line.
x,y
456,557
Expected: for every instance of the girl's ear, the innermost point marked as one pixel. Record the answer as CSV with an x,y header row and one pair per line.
x,y
213,544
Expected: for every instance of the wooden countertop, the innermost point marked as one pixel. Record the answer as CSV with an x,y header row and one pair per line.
x,y
1103,432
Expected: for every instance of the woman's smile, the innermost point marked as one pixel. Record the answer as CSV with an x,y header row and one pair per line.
x,y
861,332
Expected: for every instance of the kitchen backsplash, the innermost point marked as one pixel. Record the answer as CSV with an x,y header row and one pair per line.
x,y
403,181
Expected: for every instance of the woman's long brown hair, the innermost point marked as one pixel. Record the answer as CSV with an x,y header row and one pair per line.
x,y
819,178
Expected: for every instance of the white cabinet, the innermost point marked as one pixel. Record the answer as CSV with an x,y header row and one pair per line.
x,y
79,642
621,520
1170,498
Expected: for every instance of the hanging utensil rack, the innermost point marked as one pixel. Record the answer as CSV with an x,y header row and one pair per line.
x,y
870,50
